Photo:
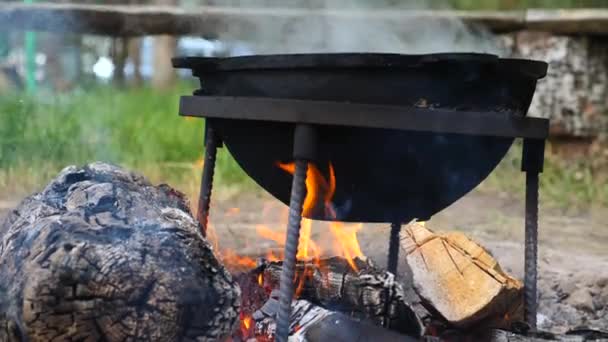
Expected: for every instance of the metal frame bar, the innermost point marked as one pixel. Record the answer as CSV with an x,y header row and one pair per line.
x,y
212,142
532,164
497,124
393,248
304,150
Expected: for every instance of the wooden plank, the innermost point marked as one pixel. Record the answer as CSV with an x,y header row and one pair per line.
x,y
568,22
119,20
210,21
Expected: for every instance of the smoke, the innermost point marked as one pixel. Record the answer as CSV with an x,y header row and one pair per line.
x,y
355,26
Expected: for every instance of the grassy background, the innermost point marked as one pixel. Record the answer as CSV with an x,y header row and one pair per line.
x,y
136,128
139,128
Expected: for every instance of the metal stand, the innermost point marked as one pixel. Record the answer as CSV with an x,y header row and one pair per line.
x,y
212,142
393,248
532,164
304,150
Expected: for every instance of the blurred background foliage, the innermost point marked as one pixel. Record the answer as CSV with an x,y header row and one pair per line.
x,y
126,112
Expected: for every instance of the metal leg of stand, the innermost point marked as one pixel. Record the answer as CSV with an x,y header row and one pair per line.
x,y
212,142
393,248
531,249
298,193
304,150
532,164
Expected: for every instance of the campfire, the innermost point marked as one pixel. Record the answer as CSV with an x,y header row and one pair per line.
x,y
350,138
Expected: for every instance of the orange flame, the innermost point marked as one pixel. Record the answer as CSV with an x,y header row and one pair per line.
x,y
247,322
346,241
319,191
306,247
315,183
230,258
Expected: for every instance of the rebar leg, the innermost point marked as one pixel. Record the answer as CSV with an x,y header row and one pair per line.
x,y
532,164
204,198
298,193
304,150
393,248
531,249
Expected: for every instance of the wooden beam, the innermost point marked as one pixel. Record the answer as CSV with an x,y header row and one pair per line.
x,y
568,22
210,21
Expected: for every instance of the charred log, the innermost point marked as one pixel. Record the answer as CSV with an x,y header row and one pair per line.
x,y
312,323
101,254
368,293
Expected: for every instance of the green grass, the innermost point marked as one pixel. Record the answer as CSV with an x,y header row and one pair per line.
x,y
137,128
140,129
566,184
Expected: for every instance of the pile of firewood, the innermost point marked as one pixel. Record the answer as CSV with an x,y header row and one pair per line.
x,y
101,254
462,292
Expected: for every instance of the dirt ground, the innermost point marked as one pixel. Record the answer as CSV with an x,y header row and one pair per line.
x,y
573,256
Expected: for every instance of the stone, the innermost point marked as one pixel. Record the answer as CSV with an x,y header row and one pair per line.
x,y
573,94
581,299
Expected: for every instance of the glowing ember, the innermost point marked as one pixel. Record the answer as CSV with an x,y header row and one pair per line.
x,y
247,322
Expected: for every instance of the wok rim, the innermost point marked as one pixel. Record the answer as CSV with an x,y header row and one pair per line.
x,y
531,68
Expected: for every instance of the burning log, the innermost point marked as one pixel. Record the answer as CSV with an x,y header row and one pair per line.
x,y
460,280
101,254
365,292
311,323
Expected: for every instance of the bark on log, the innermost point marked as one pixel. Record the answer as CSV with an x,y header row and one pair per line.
x,y
101,254
370,293
460,280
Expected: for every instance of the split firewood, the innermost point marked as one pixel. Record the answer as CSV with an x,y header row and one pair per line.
x,y
102,255
367,293
458,279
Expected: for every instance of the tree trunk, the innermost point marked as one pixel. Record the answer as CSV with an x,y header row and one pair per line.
x,y
119,59
134,53
164,75
102,255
